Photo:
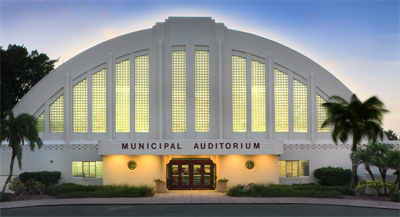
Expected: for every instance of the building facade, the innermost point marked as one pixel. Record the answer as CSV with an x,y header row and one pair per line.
x,y
188,101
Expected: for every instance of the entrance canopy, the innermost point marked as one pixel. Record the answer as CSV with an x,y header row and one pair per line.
x,y
191,147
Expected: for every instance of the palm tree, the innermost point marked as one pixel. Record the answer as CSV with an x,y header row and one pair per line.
x,y
355,119
391,134
363,156
17,131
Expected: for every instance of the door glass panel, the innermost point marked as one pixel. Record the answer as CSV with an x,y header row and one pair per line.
x,y
175,175
196,174
207,174
185,174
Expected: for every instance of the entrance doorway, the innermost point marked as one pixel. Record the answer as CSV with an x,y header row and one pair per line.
x,y
191,173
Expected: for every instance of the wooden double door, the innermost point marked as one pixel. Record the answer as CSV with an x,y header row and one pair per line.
x,y
191,174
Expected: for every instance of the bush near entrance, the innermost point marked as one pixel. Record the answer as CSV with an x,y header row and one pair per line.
x,y
333,176
304,190
48,178
71,190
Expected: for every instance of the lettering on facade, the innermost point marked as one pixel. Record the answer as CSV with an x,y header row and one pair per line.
x,y
221,145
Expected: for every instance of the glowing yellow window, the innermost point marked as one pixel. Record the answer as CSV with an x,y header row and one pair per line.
x,y
57,115
122,96
322,115
281,93
142,93
40,123
202,94
80,106
258,121
299,106
99,120
239,103
178,91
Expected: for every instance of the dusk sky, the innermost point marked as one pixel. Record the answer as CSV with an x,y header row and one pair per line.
x,y
357,41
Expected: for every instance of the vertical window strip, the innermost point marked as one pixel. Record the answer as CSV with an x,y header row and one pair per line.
x,y
304,168
122,96
258,119
142,93
178,91
202,94
300,120
76,168
57,115
80,106
281,93
99,169
239,104
40,122
99,101
322,115
282,168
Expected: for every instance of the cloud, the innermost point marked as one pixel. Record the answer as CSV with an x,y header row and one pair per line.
x,y
112,33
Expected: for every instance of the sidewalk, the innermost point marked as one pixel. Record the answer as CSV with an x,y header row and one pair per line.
x,y
201,197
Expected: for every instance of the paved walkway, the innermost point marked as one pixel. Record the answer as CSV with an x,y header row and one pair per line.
x,y
201,197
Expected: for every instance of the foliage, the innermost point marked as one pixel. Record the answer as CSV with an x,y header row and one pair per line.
x,y
17,130
48,178
21,70
223,180
394,159
157,180
391,135
395,197
356,120
392,187
4,197
70,190
375,186
359,189
363,156
333,176
305,190
17,186
34,187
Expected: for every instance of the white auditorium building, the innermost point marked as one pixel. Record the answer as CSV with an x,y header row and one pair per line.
x,y
188,101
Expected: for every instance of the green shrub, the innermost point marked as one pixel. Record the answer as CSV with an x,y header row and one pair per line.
x,y
48,178
308,190
17,186
395,197
4,197
70,190
34,187
333,176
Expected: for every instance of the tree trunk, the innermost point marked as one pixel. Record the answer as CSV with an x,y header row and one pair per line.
x,y
355,179
11,171
370,173
383,174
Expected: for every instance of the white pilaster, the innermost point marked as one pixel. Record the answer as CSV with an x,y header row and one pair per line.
x,y
248,94
160,89
67,108
312,109
291,125
190,94
89,105
132,96
220,90
270,97
110,98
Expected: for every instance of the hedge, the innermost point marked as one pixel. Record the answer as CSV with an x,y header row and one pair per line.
x,y
333,176
48,178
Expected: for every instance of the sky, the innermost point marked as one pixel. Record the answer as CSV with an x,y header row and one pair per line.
x,y
357,41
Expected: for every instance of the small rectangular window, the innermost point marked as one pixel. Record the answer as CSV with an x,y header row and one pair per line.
x,y
87,169
292,169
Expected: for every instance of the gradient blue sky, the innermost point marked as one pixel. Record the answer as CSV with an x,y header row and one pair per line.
x,y
357,41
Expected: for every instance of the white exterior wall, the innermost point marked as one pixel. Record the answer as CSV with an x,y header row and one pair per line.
x,y
158,42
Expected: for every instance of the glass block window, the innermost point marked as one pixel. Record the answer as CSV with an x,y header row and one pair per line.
x,y
295,168
76,168
122,96
142,93
80,106
99,169
239,103
258,120
304,168
57,115
299,106
178,91
40,123
281,93
282,168
87,169
322,115
99,101
202,93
